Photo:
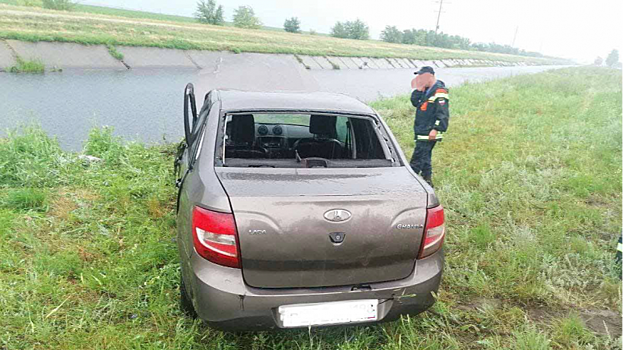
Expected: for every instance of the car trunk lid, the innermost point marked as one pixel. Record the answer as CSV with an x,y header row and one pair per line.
x,y
325,227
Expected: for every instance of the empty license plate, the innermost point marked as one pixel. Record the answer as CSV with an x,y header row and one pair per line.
x,y
337,312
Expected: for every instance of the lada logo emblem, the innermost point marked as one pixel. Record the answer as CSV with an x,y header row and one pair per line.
x,y
337,215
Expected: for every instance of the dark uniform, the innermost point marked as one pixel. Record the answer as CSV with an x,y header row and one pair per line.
x,y
432,113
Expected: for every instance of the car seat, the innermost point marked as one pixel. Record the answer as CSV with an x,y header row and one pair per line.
x,y
241,142
324,143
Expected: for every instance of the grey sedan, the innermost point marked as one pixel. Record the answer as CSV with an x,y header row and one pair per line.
x,y
298,210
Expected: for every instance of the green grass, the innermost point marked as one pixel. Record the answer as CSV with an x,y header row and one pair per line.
x,y
119,12
529,174
26,66
112,50
98,25
571,331
26,199
109,11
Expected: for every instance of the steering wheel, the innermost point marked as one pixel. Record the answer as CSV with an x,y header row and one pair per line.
x,y
321,141
245,152
332,141
256,152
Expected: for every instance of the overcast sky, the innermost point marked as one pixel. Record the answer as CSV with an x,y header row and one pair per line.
x,y
581,30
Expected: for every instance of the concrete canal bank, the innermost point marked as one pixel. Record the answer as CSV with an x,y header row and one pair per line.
x,y
66,56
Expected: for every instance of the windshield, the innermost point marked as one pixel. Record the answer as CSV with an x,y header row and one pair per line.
x,y
302,140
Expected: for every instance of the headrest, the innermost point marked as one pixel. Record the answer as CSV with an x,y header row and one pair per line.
x,y
322,125
243,128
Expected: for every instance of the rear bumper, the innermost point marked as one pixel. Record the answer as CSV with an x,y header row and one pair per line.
x,y
221,297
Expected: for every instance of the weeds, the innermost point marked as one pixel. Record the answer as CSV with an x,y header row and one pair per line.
x,y
112,50
102,144
333,64
31,159
571,331
27,66
30,3
26,199
531,339
59,5
300,60
530,178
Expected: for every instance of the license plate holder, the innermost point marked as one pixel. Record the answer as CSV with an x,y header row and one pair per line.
x,y
329,313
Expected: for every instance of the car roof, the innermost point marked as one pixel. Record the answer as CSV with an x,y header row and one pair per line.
x,y
235,100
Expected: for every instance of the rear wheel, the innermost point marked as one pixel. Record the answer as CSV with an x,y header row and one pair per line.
x,y
186,305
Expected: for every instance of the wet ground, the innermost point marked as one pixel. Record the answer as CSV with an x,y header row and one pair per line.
x,y
146,105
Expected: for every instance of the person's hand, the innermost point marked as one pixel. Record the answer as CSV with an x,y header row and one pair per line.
x,y
433,135
420,83
427,80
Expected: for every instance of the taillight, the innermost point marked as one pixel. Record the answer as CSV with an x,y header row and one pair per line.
x,y
214,236
434,232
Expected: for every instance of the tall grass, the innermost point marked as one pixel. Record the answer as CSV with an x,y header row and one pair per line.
x,y
529,174
28,157
530,163
60,5
27,66
26,199
114,52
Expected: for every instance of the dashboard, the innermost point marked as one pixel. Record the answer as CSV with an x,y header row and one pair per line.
x,y
279,139
282,130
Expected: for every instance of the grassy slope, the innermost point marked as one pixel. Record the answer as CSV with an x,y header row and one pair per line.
x,y
102,10
110,11
531,182
119,12
144,29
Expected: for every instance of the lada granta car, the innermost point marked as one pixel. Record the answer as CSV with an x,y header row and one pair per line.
x,y
299,210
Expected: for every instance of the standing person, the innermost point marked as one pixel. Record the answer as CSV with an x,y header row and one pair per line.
x,y
430,98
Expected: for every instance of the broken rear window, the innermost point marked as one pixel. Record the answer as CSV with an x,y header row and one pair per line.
x,y
302,140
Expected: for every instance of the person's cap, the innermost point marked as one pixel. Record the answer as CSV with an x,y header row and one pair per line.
x,y
425,69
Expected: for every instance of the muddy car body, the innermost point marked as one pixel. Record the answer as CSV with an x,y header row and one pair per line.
x,y
299,210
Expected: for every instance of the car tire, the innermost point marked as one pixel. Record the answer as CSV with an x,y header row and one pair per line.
x,y
186,305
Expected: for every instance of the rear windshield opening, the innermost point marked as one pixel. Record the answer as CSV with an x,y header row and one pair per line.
x,y
302,140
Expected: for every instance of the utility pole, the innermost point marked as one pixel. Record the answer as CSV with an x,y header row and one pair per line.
x,y
438,16
515,36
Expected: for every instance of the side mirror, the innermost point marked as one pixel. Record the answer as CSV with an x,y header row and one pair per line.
x,y
189,99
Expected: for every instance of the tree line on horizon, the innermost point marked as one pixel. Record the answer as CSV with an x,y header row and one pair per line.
x,y
244,17
424,37
611,61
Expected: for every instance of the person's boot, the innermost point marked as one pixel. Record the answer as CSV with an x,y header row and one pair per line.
x,y
429,179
